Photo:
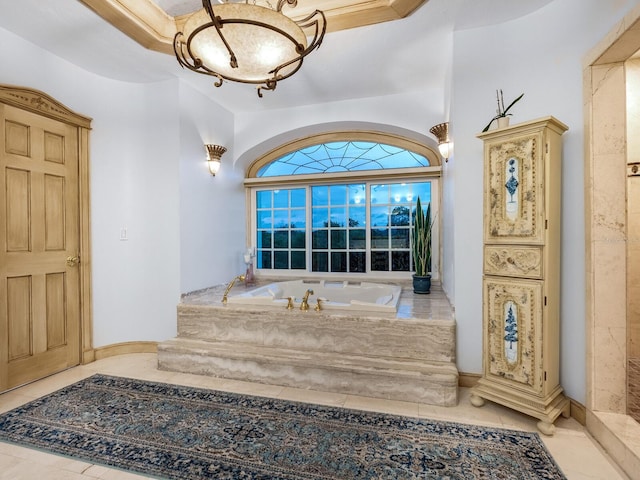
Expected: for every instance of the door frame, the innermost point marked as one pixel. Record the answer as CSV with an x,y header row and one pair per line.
x,y
42,104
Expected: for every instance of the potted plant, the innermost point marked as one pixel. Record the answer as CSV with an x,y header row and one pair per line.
x,y
421,247
501,111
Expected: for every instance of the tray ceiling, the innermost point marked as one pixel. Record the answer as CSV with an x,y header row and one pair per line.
x,y
153,23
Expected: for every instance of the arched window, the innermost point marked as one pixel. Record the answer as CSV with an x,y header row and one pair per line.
x,y
341,204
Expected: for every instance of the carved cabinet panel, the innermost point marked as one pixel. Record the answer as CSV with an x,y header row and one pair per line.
x,y
513,261
513,330
513,173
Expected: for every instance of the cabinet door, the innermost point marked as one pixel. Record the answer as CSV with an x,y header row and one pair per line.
x,y
514,196
513,332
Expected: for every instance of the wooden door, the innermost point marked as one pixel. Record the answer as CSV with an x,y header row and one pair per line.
x,y
39,246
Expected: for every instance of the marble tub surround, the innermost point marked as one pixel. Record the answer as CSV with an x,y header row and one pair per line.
x,y
406,355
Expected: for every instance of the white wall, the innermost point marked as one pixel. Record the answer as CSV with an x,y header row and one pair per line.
x,y
540,55
212,209
134,184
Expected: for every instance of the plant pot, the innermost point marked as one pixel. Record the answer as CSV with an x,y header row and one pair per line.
x,y
422,284
503,122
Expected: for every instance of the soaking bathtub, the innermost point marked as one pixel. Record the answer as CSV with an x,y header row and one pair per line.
x,y
333,295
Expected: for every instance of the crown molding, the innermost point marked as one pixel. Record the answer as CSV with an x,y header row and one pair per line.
x,y
150,26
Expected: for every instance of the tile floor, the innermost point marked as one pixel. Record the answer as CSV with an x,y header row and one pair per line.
x,y
578,455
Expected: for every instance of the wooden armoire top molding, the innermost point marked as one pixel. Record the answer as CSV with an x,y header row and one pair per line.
x,y
42,104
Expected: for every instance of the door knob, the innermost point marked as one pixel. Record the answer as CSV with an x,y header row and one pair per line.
x,y
73,261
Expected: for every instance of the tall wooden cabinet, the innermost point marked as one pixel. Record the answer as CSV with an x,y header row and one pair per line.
x,y
521,281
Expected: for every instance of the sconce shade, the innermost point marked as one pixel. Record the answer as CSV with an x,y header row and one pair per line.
x,y
214,153
248,43
441,132
444,149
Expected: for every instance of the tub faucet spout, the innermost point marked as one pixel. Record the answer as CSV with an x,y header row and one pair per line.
x,y
230,286
304,306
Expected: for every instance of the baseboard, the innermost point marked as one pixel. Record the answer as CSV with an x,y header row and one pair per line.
x,y
124,348
468,380
578,411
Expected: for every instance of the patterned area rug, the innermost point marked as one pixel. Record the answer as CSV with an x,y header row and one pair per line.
x,y
177,432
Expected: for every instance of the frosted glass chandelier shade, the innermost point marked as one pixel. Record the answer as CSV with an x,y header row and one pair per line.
x,y
247,43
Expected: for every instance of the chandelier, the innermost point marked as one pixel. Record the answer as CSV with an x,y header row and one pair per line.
x,y
248,43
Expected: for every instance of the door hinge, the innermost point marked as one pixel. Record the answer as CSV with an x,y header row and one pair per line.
x,y
545,300
546,147
545,376
546,224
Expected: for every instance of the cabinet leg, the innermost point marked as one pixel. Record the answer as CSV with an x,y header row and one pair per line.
x,y
566,411
546,428
476,401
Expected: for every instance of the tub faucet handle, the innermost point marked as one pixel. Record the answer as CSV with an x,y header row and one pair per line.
x,y
318,306
290,304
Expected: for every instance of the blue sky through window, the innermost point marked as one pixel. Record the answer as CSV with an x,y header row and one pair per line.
x,y
343,157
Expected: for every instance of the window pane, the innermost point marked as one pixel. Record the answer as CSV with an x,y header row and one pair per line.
x,y
320,239
379,216
357,239
319,262
281,260
298,260
264,239
298,197
280,218
298,239
380,238
379,194
400,216
264,259
399,238
338,194
263,199
380,261
357,262
338,261
423,190
320,217
357,216
264,219
338,217
281,198
400,261
281,239
356,194
338,239
319,196
298,218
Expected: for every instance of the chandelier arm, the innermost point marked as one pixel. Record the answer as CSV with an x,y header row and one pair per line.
x,y
270,84
319,30
206,4
292,4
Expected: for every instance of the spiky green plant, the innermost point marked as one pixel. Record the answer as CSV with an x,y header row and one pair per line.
x,y
422,229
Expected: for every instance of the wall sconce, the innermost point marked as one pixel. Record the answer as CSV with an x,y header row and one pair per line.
x,y
441,132
214,152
